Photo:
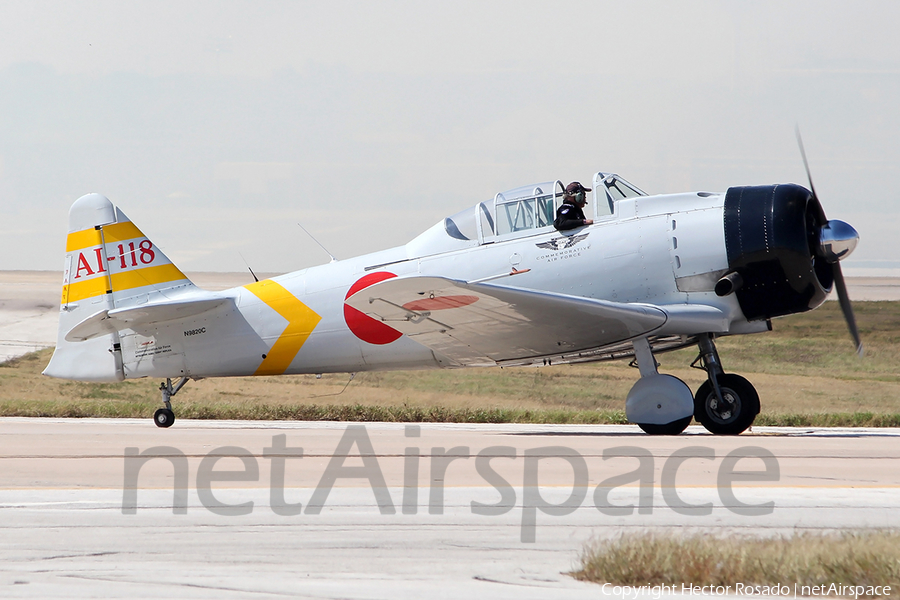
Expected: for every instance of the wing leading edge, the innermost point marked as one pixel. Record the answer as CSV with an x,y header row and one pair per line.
x,y
478,323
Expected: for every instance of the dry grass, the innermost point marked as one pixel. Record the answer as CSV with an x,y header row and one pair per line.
x,y
805,371
867,558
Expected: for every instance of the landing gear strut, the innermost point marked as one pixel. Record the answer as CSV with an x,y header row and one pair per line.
x,y
659,404
164,417
726,404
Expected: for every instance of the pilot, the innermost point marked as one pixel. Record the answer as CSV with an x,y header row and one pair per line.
x,y
570,214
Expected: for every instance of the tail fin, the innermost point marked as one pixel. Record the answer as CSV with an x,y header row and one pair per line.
x,y
109,264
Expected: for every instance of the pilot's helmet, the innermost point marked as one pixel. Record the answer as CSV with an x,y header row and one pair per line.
x,y
577,191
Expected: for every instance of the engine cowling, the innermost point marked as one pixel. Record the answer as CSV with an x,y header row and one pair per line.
x,y
772,234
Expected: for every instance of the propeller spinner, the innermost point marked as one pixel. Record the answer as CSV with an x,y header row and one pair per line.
x,y
836,240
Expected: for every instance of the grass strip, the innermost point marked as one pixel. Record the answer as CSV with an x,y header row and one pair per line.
x,y
812,391
253,411
309,412
860,558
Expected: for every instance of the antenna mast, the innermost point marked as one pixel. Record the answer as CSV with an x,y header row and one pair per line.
x,y
333,259
255,278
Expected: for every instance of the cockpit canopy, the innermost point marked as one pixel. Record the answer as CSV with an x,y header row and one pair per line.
x,y
528,207
520,212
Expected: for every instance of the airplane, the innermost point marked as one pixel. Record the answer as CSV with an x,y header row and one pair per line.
x,y
493,285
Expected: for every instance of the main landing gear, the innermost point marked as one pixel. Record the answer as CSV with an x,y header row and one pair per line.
x,y
164,417
659,404
726,404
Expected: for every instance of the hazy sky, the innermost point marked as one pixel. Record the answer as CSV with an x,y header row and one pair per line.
x,y
217,126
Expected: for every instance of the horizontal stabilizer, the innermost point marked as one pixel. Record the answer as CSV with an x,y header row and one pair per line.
x,y
480,323
110,321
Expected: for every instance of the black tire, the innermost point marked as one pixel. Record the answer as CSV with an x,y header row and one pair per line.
x,y
740,411
673,428
164,417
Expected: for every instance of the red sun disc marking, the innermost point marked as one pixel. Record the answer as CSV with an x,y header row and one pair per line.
x,y
363,326
440,303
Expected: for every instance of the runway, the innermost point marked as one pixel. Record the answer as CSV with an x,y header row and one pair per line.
x,y
120,508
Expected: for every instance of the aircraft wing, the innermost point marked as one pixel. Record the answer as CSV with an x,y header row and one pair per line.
x,y
480,323
109,321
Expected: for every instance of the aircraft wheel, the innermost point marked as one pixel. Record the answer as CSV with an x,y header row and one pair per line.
x,y
673,428
737,412
164,417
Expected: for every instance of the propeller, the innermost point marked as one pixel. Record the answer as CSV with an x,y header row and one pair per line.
x,y
836,240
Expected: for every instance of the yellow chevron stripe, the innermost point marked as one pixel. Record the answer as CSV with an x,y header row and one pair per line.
x,y
126,280
118,232
301,322
86,238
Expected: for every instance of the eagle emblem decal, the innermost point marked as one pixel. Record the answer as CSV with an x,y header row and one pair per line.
x,y
562,242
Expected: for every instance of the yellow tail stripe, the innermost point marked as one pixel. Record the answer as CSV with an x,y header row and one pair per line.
x,y
118,232
127,280
88,288
301,322
86,238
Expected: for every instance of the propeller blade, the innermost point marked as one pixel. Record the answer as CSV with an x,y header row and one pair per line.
x,y
819,210
840,285
844,298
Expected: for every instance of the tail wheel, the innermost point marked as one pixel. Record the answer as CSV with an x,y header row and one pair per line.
x,y
164,417
736,412
673,428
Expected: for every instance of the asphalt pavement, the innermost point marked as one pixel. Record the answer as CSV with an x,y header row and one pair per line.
x,y
230,509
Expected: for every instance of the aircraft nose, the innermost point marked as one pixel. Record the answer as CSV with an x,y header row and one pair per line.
x,y
837,239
